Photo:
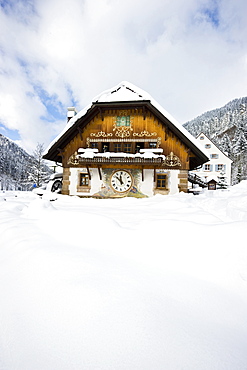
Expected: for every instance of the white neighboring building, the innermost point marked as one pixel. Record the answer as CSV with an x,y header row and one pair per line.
x,y
218,161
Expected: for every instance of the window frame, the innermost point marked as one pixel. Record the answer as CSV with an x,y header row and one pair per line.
x,y
207,167
127,146
86,186
162,180
222,167
214,156
117,147
123,121
94,145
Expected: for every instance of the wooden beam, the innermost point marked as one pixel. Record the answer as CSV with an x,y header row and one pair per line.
x,y
142,173
88,172
144,113
100,174
61,153
166,135
80,131
154,174
101,114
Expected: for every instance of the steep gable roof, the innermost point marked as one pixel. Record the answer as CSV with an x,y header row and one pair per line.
x,y
128,95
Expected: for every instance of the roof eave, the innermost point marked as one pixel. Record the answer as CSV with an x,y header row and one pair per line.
x,y
53,152
54,155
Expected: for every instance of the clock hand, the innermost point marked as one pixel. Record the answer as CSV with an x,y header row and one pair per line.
x,y
120,179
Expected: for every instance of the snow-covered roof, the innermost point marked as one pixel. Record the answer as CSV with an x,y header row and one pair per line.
x,y
126,92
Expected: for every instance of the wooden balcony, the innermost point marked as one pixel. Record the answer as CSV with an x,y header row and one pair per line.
x,y
146,157
121,160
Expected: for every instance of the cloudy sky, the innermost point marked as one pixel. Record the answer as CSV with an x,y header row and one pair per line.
x,y
191,56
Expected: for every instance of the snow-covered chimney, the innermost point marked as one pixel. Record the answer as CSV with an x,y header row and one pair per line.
x,y
71,113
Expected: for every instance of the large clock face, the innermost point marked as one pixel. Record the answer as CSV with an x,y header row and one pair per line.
x,y
121,181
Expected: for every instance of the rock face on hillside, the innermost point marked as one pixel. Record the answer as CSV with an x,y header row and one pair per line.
x,y
17,167
227,128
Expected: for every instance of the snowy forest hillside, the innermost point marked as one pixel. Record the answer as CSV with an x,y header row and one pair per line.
x,y
18,169
227,128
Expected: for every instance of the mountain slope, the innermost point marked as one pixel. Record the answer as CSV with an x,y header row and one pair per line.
x,y
17,167
227,128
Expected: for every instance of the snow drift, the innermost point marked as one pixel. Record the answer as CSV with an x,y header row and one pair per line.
x,y
157,283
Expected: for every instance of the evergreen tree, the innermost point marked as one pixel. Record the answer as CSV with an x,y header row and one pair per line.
x,y
240,142
226,144
222,183
239,174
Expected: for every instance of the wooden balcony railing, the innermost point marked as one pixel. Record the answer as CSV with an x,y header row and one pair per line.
x,y
124,160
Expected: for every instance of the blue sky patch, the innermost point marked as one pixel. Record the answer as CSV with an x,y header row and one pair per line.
x,y
212,13
213,16
55,109
23,10
11,134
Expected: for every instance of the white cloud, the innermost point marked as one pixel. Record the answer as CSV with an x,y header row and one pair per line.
x,y
191,56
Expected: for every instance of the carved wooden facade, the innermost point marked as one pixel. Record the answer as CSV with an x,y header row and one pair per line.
x,y
124,148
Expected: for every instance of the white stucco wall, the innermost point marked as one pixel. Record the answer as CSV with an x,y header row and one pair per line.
x,y
173,182
95,181
221,159
146,187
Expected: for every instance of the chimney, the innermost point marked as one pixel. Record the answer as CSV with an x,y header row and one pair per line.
x,y
71,113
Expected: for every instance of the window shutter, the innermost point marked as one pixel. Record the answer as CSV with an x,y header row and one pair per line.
x,y
211,167
216,167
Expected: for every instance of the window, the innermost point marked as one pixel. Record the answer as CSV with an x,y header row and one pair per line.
x,y
122,147
207,146
207,167
201,137
153,145
127,147
219,167
84,183
117,147
84,179
161,181
123,121
94,145
214,156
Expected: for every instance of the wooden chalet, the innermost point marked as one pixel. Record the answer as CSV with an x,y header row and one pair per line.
x,y
124,144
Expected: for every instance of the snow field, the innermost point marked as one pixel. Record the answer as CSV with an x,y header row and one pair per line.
x,y
158,283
